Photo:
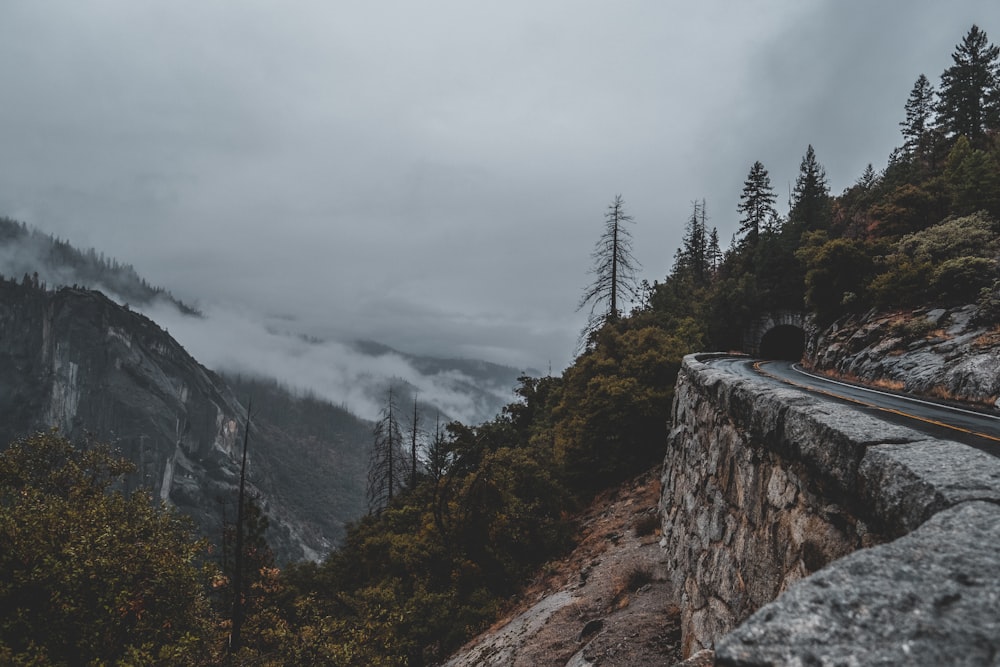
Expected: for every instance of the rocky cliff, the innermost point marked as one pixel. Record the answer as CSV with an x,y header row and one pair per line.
x,y
867,536
949,354
74,360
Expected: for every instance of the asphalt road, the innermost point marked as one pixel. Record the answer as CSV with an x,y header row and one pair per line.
x,y
977,428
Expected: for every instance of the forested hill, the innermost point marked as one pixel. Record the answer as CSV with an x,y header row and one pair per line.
x,y
27,252
922,231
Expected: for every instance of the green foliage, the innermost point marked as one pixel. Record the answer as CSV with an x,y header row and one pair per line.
x,y
613,413
973,178
969,105
907,208
91,575
756,203
810,207
835,269
947,264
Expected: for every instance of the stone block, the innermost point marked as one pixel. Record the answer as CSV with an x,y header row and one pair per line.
x,y
929,598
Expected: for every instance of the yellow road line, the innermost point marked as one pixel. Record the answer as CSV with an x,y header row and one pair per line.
x,y
757,367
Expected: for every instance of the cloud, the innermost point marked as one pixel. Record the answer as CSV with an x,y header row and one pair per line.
x,y
233,340
433,175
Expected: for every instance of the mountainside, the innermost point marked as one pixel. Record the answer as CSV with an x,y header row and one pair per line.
x,y
75,360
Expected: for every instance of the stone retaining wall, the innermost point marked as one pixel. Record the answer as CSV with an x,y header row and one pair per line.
x,y
773,495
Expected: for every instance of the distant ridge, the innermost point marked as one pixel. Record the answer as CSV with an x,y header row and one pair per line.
x,y
25,251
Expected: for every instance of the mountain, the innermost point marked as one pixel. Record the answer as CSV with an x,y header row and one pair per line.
x,y
54,262
76,355
75,360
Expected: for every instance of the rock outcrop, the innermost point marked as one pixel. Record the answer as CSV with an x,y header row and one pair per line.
x,y
870,536
941,353
74,360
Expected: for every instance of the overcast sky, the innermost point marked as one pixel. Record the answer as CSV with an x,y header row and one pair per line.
x,y
433,175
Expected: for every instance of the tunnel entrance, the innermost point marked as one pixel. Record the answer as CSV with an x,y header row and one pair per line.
x,y
784,341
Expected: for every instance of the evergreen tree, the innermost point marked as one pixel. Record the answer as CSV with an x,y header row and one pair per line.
x,y
756,203
439,454
386,467
868,179
714,251
969,100
918,126
692,257
614,270
810,209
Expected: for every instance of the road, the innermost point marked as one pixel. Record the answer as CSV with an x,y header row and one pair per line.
x,y
976,428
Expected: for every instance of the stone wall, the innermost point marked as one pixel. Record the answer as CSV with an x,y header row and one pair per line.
x,y
770,494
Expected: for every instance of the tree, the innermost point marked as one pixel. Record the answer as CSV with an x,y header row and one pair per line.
x,y
386,466
439,454
756,203
89,574
693,256
918,128
414,438
714,251
810,209
969,99
973,179
251,551
614,270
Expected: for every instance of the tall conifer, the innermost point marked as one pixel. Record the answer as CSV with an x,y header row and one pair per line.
x,y
811,197
756,203
918,126
969,98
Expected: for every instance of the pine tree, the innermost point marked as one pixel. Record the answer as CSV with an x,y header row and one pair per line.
x,y
386,466
918,126
614,270
811,197
868,179
439,454
969,100
692,256
756,203
714,251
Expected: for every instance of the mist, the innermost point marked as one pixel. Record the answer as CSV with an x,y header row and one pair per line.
x,y
231,340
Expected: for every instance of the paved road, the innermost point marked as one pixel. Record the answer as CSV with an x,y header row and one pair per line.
x,y
976,428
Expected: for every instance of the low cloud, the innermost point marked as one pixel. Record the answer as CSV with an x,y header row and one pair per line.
x,y
233,341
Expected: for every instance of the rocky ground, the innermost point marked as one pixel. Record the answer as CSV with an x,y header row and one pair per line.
x,y
607,603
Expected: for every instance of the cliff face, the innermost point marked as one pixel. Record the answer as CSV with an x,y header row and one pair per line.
x,y
868,535
74,360
949,354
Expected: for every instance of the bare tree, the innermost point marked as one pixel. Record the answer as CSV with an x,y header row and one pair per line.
x,y
414,439
614,271
386,466
239,596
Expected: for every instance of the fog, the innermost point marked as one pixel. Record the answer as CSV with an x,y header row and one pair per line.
x,y
430,175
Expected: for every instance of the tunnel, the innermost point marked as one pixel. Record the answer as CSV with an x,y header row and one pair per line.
x,y
784,341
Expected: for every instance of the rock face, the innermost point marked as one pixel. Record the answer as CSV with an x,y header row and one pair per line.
x,y
74,360
943,353
769,493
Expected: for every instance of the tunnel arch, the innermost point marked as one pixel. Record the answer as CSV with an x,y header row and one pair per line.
x,y
784,341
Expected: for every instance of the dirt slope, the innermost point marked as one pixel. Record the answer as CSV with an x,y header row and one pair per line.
x,y
607,603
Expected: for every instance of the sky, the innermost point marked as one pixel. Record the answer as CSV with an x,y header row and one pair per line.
x,y
433,175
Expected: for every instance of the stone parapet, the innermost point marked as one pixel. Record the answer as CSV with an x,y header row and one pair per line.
x,y
776,501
